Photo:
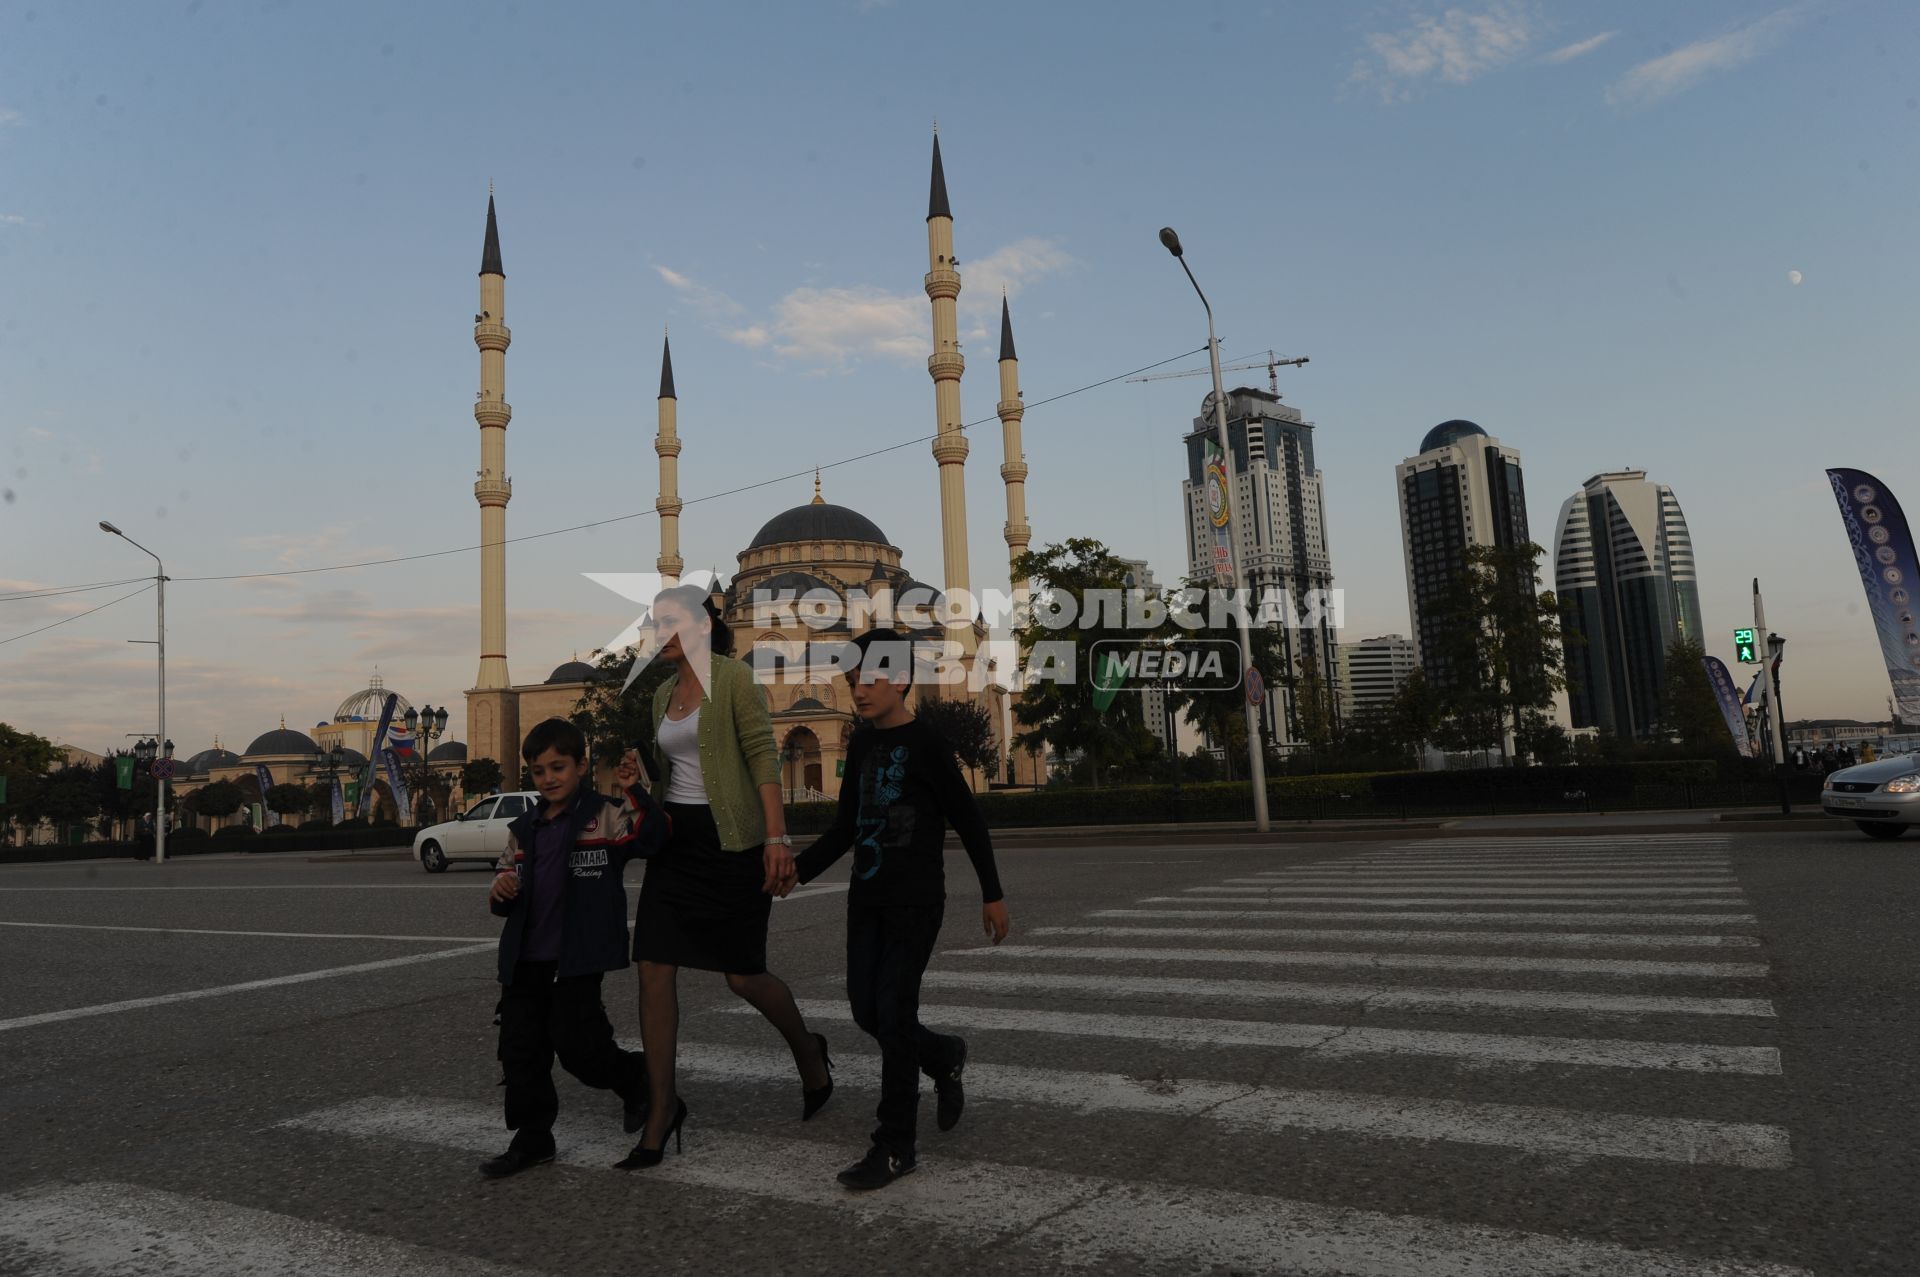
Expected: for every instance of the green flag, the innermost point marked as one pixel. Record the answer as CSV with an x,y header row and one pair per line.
x,y
123,771
3,789
1106,681
352,795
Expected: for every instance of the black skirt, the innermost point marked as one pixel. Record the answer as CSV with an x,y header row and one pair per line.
x,y
700,906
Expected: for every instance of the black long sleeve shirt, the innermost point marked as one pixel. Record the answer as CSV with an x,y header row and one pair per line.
x,y
901,789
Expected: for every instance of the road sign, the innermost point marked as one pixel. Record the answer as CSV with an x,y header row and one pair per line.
x,y
1256,687
1744,649
163,768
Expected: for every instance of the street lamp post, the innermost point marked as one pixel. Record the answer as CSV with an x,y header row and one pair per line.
x,y
160,639
1256,746
425,725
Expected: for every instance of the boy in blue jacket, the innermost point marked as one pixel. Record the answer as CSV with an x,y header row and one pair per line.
x,y
559,886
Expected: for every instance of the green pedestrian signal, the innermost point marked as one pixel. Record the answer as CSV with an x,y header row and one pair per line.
x,y
1743,648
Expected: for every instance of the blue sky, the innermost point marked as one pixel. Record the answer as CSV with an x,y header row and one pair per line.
x,y
238,247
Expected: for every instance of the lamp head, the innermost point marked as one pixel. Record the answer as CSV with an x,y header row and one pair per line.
x,y
169,749
108,527
440,719
412,717
1172,241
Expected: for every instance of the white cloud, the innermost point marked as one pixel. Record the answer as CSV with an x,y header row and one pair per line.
x,y
9,118
1579,49
1457,47
1671,73
830,327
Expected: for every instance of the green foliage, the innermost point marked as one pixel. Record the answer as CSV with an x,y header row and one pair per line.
x,y
218,799
288,800
1688,707
614,720
25,760
966,725
480,776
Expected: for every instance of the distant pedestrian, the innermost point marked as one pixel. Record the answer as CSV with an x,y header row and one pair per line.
x,y
900,791
559,886
143,838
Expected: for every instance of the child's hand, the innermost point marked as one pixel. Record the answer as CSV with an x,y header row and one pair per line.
x,y
627,773
505,887
993,918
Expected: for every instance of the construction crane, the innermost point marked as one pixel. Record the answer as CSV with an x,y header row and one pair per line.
x,y
1271,362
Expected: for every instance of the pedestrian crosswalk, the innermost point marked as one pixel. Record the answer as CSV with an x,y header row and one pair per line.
x,y
1535,1013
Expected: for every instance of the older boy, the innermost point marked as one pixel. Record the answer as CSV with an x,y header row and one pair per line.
x,y
559,888
902,788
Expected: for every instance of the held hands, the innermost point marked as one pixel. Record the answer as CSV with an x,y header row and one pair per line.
x,y
506,886
781,875
627,773
993,919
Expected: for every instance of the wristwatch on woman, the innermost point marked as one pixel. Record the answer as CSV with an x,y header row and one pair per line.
x,y
784,840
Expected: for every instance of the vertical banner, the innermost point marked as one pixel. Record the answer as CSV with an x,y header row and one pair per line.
x,y
123,771
402,805
353,797
373,755
1729,697
265,777
339,802
1883,551
1220,514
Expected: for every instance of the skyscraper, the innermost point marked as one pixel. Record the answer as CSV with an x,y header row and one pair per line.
x,y
1463,489
1280,535
1372,670
1623,567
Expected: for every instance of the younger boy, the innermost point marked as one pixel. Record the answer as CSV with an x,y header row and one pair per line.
x,y
902,788
559,886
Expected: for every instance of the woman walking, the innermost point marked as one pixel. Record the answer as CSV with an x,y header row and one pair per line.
x,y
708,894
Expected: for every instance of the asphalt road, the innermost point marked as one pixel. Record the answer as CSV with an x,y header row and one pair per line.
x,y
1678,1053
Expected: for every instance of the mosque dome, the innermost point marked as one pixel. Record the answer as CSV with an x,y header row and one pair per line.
x,y
819,521
208,759
806,704
282,741
1449,432
572,672
795,583
365,705
452,751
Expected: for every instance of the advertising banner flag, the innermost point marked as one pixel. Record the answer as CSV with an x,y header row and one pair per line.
x,y
123,771
1883,551
1728,696
1220,513
402,805
352,797
265,777
373,754
339,802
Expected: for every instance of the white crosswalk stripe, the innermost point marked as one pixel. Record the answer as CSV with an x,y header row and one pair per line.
x,y
1483,889
1531,939
1376,961
1078,1218
1250,911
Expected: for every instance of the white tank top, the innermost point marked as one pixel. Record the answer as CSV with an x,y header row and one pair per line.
x,y
680,742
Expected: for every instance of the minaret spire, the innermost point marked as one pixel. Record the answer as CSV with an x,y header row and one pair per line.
x,y
1013,469
492,490
490,251
946,367
667,444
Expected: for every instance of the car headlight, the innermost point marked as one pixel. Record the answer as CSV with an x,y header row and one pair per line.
x,y
1826,784
1906,784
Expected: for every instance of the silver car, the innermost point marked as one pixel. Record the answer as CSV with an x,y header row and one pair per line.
x,y
1881,797
477,834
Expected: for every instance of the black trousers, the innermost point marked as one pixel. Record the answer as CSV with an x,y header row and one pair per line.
x,y
542,1017
888,947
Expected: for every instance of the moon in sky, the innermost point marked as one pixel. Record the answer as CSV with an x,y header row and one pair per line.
x,y
1794,277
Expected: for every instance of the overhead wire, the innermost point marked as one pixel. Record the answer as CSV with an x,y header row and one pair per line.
x,y
77,615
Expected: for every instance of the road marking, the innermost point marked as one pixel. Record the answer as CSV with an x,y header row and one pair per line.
x,y
1437,882
1574,939
1076,1218
1682,900
1251,912
128,1228
1381,961
190,995
1244,1109
1339,1039
1398,997
1531,862
270,935
1488,889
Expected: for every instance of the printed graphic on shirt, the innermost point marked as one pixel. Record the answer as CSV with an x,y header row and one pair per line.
x,y
880,824
587,862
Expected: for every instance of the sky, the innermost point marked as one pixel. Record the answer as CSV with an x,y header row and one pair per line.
x,y
238,246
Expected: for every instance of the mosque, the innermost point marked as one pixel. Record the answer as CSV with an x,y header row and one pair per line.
x,y
809,547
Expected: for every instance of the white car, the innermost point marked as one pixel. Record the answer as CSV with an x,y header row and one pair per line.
x,y
477,834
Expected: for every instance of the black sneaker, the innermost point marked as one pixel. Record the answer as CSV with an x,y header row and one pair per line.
x,y
951,1094
877,1169
513,1161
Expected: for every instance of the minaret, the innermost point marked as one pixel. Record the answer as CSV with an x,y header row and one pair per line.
x,y
492,490
667,445
1013,470
493,711
945,367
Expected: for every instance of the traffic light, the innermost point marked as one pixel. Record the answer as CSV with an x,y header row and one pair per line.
x,y
1743,648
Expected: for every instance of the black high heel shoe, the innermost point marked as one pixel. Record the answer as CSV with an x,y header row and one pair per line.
x,y
814,1099
642,1157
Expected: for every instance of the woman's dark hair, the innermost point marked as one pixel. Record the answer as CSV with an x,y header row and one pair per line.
x,y
697,602
557,734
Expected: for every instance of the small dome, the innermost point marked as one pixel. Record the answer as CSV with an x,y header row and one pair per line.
x,y
366,704
352,758
1449,432
282,741
805,704
208,759
572,672
452,751
822,522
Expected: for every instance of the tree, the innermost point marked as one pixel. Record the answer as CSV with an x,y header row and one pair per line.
x,y
1313,714
1688,707
1058,712
481,776
218,799
1222,713
25,760
1500,647
615,718
288,800
965,725
70,796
